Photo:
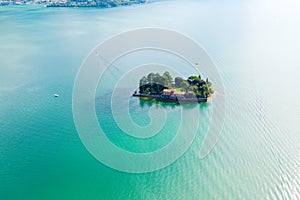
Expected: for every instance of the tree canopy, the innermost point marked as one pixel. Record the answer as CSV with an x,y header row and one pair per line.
x,y
194,85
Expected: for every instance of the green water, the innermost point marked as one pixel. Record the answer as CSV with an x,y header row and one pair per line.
x,y
255,46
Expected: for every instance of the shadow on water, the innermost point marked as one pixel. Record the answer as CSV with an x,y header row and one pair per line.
x,y
152,102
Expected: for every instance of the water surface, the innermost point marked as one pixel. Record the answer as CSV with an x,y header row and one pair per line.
x,y
254,45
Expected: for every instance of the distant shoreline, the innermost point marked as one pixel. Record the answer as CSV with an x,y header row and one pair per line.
x,y
78,4
95,3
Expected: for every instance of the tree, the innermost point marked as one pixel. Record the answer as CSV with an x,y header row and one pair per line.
x,y
154,83
195,90
150,77
143,83
169,78
194,80
185,85
178,81
205,90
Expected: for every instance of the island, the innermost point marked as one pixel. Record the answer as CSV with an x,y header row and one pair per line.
x,y
164,88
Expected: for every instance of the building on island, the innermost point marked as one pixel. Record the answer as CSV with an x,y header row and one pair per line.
x,y
173,93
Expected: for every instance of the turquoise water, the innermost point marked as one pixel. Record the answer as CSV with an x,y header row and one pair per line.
x,y
255,46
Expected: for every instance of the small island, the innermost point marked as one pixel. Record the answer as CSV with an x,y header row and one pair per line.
x,y
164,88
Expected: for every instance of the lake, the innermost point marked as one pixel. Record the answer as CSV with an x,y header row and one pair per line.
x,y
254,45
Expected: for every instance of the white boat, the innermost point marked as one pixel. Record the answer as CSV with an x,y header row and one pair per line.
x,y
56,95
